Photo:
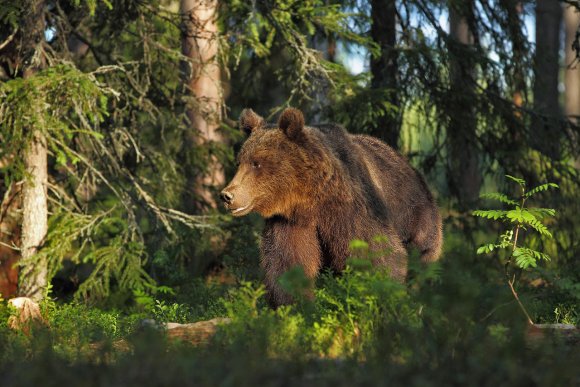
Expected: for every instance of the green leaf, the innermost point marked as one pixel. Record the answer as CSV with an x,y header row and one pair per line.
x,y
526,257
541,213
530,219
490,214
358,244
499,197
515,215
521,182
540,188
486,249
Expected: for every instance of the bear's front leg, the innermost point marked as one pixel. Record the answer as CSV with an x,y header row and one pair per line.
x,y
285,245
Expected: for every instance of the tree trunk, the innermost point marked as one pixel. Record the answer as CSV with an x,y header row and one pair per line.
x,y
572,74
33,275
514,10
463,173
546,126
384,69
200,45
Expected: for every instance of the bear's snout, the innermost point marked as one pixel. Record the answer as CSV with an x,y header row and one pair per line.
x,y
227,197
236,200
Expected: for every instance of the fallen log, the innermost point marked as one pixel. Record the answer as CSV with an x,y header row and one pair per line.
x,y
566,332
195,333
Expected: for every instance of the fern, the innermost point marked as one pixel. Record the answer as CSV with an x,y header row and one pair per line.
x,y
539,227
521,182
527,257
542,213
499,197
520,217
540,188
490,214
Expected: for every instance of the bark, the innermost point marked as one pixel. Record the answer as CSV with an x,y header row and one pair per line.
x,y
200,45
546,126
514,11
33,276
331,48
572,73
384,68
463,174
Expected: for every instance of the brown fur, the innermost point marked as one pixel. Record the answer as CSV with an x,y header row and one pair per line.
x,y
319,188
9,236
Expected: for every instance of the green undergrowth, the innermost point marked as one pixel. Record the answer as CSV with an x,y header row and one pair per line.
x,y
454,322
446,326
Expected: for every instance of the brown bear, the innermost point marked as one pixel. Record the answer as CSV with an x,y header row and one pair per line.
x,y
318,188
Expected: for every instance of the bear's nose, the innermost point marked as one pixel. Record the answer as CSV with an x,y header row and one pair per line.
x,y
227,197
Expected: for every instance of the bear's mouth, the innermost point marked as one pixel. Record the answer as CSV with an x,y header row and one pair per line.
x,y
240,211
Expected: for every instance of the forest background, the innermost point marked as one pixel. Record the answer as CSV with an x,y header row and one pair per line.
x,y
118,130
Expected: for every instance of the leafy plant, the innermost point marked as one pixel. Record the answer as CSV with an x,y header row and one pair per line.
x,y
519,218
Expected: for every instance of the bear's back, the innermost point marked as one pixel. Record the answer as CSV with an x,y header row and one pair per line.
x,y
337,142
348,155
361,177
387,181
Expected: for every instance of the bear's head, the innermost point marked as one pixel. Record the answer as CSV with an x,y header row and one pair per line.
x,y
276,167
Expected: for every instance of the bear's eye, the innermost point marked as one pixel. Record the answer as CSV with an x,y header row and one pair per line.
x,y
256,164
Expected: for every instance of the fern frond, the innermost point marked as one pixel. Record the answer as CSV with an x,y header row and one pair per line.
x,y
515,215
499,197
540,188
539,227
523,216
526,257
542,213
521,182
490,214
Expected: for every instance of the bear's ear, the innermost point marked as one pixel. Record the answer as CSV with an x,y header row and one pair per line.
x,y
250,121
292,122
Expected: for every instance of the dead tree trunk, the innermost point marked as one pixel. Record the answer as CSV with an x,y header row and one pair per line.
x,y
202,75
